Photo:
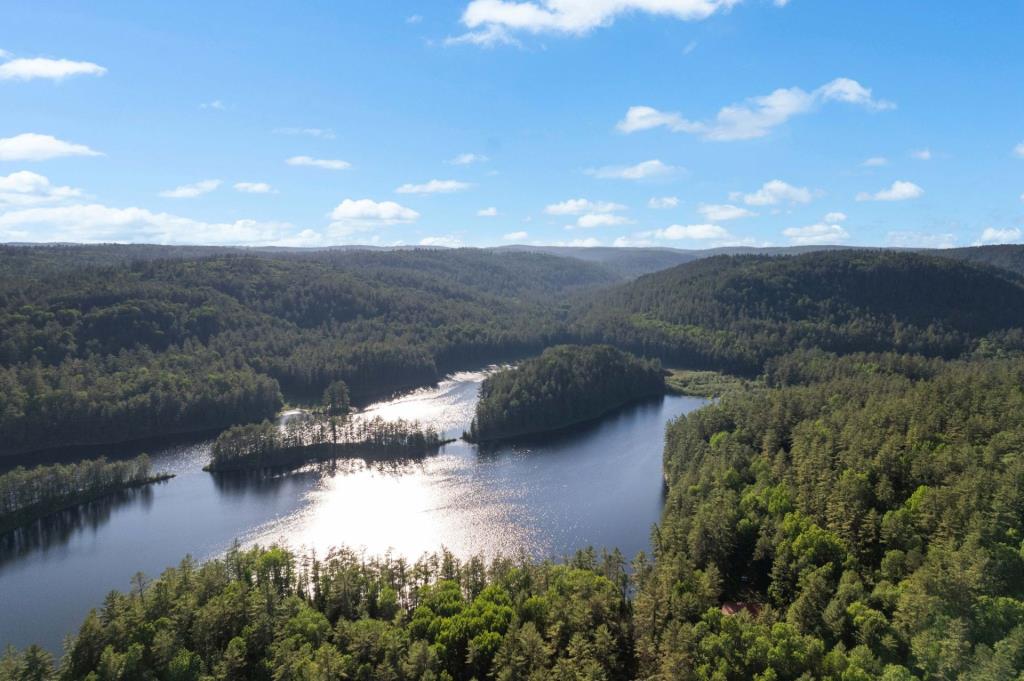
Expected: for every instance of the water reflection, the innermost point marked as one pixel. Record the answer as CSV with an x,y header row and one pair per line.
x,y
598,484
58,528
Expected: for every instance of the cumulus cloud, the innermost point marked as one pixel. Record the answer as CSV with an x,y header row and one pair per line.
x,y
468,159
253,187
492,21
447,241
24,188
30,146
900,190
835,217
589,242
190,191
920,240
515,236
580,206
875,162
434,187
662,202
922,154
51,69
1018,150
93,223
370,212
816,234
325,163
994,235
757,116
722,212
216,105
591,220
700,232
640,171
775,192
487,212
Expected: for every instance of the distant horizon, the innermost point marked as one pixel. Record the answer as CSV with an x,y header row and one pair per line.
x,y
688,124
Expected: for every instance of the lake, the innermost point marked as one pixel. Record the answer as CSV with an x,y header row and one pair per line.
x,y
597,485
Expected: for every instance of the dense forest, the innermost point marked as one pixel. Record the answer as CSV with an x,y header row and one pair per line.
x,y
29,494
263,615
266,445
145,347
868,509
102,344
734,313
567,384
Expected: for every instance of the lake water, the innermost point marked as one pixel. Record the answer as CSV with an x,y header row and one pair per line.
x,y
598,485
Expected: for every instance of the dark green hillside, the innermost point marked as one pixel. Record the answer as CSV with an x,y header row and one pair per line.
x,y
735,312
94,353
1005,256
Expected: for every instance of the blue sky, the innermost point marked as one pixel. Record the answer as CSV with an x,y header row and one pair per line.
x,y
684,123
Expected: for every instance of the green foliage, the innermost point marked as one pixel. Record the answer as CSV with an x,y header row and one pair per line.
x,y
734,313
336,400
104,344
29,494
253,615
870,505
567,384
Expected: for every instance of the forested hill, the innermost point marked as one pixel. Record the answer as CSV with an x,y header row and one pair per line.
x,y
1004,256
734,312
148,347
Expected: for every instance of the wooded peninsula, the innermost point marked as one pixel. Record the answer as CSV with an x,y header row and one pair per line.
x,y
565,386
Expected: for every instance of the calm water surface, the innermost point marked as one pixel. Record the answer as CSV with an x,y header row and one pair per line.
x,y
598,485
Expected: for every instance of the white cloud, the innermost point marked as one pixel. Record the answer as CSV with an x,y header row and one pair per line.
x,y
993,235
92,223
922,154
253,187
216,105
1018,150
591,220
515,236
322,133
4,54
920,240
486,18
662,202
693,232
580,206
589,242
325,163
875,162
489,36
899,191
632,242
640,171
774,192
190,191
444,241
755,117
24,188
722,212
414,19
52,69
820,233
487,212
434,187
835,217
34,147
372,213
468,159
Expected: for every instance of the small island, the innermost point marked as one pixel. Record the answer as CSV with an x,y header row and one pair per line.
x,y
315,438
27,495
566,385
